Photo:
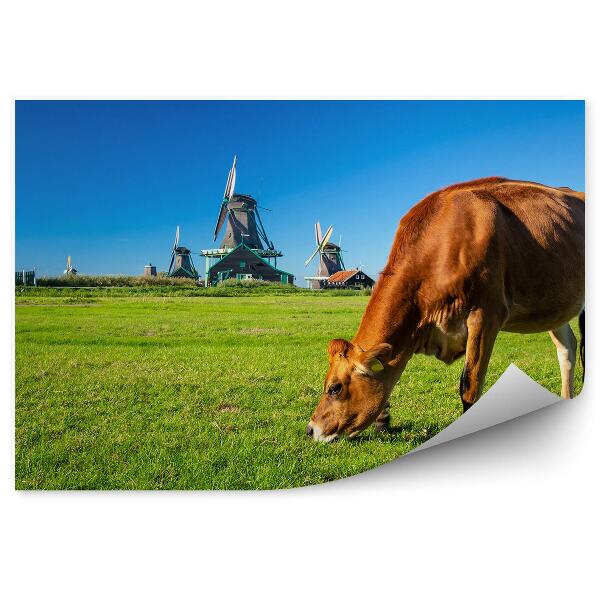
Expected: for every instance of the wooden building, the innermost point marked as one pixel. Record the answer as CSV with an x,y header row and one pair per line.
x,y
354,278
245,263
150,270
182,264
245,251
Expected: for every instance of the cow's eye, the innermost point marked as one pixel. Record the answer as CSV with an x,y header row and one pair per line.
x,y
334,389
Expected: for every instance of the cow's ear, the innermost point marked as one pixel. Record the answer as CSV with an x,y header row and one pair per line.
x,y
372,361
341,347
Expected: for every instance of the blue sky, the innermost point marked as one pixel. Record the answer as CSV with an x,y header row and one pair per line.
x,y
108,182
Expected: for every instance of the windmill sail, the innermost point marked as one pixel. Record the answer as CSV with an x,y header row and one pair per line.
x,y
229,189
220,219
230,186
307,261
327,237
320,245
175,244
70,270
318,235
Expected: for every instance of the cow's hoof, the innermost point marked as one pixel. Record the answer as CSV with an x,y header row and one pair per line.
x,y
384,426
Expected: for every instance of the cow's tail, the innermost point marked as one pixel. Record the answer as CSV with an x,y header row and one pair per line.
x,y
582,343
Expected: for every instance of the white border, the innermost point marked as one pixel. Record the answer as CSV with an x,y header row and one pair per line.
x,y
510,512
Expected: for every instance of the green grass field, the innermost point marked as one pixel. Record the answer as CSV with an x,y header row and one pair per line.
x,y
210,393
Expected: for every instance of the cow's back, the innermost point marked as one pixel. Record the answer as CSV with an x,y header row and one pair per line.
x,y
543,234
515,243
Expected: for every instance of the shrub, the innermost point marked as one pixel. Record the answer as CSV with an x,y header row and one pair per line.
x,y
252,283
115,281
87,286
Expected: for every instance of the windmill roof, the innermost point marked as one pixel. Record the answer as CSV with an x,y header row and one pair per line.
x,y
343,275
187,272
242,245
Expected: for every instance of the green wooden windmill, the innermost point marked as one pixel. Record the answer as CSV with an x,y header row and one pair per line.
x,y
182,264
245,251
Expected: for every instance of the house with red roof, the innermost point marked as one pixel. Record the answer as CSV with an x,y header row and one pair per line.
x,y
354,278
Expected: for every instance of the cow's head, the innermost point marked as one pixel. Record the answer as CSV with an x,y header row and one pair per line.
x,y
355,391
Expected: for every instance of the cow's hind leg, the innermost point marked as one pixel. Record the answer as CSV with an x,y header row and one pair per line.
x,y
383,420
482,329
566,349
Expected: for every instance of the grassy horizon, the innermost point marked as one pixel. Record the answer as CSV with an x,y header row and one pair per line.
x,y
148,392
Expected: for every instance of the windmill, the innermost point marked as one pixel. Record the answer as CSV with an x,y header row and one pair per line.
x,y
243,222
245,251
181,260
330,258
70,270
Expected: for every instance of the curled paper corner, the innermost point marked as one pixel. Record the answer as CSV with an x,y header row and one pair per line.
x,y
513,395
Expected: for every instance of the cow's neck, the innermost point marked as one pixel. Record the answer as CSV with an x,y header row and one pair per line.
x,y
389,318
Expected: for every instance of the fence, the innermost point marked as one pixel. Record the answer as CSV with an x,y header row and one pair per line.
x,y
25,278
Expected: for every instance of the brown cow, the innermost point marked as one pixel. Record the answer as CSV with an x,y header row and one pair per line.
x,y
467,262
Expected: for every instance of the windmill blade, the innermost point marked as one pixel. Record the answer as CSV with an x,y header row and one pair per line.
x,y
318,235
230,186
326,237
68,263
320,247
312,256
176,242
220,219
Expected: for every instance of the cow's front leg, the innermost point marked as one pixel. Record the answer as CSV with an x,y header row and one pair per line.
x,y
383,420
482,329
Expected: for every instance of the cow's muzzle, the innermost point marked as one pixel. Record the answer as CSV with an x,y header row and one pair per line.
x,y
316,433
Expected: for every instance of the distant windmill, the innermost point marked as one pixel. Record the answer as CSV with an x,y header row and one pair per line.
x,y
181,260
70,270
245,251
330,257
244,224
